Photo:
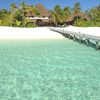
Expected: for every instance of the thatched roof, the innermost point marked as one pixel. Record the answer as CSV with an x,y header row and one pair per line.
x,y
42,10
84,16
81,15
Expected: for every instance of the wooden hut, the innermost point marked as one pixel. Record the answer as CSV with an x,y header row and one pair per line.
x,y
43,19
70,20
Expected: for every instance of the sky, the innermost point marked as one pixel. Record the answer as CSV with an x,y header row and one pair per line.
x,y
49,4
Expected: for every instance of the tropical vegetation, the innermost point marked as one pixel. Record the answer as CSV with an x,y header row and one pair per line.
x,y
16,15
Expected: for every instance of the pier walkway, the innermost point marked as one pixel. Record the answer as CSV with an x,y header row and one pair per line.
x,y
78,35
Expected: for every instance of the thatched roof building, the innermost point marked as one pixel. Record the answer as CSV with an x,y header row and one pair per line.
x,y
42,10
43,16
71,19
80,16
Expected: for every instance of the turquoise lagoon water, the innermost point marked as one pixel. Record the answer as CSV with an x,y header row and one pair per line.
x,y
48,70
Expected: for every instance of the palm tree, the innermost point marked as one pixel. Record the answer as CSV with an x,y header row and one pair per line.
x,y
98,13
32,9
3,12
57,15
53,15
57,9
92,14
77,8
67,13
23,8
12,10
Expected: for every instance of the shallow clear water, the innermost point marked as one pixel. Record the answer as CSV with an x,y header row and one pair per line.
x,y
48,70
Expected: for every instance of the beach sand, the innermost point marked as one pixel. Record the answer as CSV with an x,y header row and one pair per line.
x,y
28,33
43,32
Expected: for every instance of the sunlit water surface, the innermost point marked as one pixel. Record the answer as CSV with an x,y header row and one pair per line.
x,y
48,70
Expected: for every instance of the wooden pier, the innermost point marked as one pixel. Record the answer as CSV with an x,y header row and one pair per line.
x,y
80,36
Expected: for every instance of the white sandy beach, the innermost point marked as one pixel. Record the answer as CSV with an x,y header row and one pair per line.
x,y
43,32
28,33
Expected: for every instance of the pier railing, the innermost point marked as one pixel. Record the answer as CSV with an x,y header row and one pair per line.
x,y
78,35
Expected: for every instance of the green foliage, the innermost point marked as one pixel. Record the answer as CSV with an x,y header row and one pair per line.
x,y
30,25
17,15
94,13
3,13
77,8
37,12
67,11
58,9
6,21
84,23
57,15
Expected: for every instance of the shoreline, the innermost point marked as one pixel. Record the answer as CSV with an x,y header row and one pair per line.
x,y
13,33
28,33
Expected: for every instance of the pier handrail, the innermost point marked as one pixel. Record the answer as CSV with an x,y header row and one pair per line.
x,y
78,35
96,38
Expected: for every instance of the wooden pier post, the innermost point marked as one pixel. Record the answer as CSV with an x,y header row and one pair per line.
x,y
97,45
69,36
87,42
80,39
74,38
